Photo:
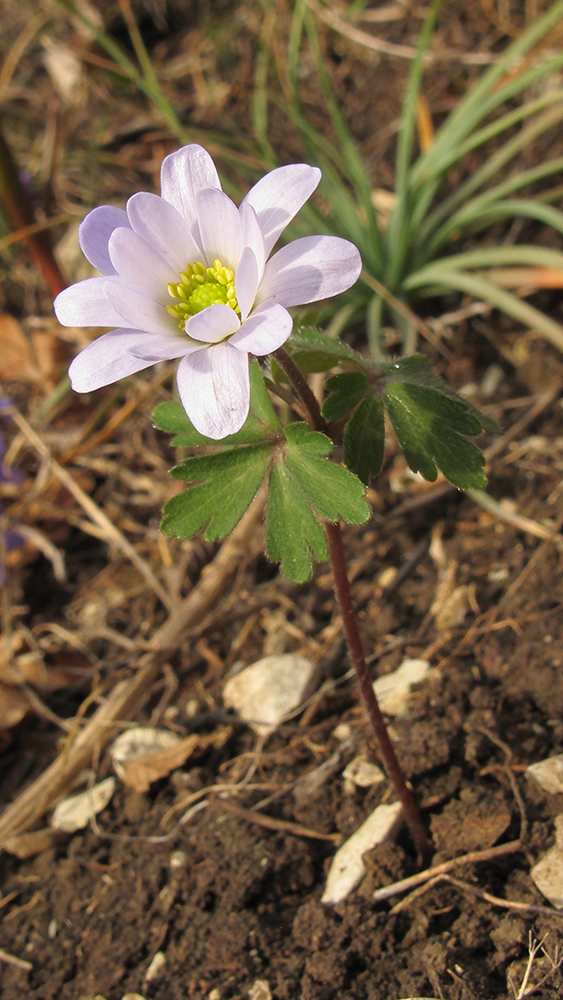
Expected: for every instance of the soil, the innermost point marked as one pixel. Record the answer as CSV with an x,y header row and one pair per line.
x,y
182,891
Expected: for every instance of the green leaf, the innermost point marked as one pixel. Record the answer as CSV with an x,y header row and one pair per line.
x,y
173,418
312,442
426,424
346,391
261,423
364,439
331,490
226,484
310,339
416,369
292,530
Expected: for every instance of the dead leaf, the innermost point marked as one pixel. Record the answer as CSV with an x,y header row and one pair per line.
x,y
16,357
140,772
13,706
26,845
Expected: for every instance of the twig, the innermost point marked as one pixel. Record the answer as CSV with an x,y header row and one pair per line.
x,y
447,866
19,963
271,823
506,904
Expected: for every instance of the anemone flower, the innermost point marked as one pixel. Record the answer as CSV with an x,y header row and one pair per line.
x,y
189,275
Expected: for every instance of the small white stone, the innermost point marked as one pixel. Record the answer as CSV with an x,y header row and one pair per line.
x,y
270,690
393,690
363,773
260,990
547,874
76,812
347,868
178,859
343,731
548,774
139,742
156,968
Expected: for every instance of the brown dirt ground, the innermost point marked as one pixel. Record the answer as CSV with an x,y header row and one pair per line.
x,y
241,901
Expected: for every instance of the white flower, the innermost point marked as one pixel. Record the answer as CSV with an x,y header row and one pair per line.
x,y
229,297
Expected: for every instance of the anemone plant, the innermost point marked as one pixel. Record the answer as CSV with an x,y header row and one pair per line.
x,y
434,238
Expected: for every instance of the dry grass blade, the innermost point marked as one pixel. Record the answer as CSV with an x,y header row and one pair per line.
x,y
109,532
390,48
43,793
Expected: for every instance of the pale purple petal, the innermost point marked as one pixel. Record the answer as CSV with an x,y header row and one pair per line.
x,y
140,265
220,227
310,269
140,312
246,281
266,329
163,227
183,174
252,236
214,387
94,233
213,324
149,345
278,196
106,360
86,304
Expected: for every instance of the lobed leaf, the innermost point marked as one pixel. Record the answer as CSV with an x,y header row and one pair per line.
x,y
428,426
225,485
364,439
292,530
345,392
330,489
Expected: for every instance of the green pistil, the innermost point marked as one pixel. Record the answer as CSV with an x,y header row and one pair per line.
x,y
201,286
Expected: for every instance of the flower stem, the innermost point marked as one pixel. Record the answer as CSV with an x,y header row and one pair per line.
x,y
422,842
350,622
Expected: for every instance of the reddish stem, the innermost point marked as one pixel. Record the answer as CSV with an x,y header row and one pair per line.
x,y
20,215
423,845
422,842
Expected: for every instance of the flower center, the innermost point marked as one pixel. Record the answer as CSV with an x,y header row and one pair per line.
x,y
201,286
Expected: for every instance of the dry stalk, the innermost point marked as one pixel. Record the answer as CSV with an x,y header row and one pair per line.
x,y
109,532
125,698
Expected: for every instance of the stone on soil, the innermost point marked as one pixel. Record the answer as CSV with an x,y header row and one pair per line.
x,y
140,742
363,773
270,690
548,774
393,690
548,873
75,813
347,868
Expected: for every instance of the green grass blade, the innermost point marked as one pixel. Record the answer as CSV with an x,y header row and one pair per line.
x,y
492,211
354,166
454,153
510,149
480,99
475,208
481,288
522,254
398,235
